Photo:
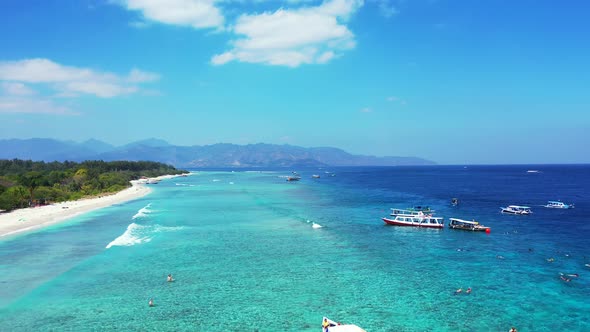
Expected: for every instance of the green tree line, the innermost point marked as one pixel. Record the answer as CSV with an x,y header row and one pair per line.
x,y
25,182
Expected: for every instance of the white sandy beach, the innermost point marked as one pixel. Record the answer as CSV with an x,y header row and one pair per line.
x,y
24,220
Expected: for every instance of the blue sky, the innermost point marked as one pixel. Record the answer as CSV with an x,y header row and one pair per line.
x,y
457,82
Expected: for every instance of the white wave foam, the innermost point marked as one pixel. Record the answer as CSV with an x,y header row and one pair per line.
x,y
144,211
314,225
132,236
138,234
215,180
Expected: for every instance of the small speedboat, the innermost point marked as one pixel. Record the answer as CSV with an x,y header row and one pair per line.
x,y
315,176
467,225
517,209
293,178
329,325
558,205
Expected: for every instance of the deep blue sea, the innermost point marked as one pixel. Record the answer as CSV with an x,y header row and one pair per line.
x,y
248,254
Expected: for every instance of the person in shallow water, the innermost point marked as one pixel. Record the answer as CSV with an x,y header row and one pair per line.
x,y
468,291
513,329
170,279
458,291
151,303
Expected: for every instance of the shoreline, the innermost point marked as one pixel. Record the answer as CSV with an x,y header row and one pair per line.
x,y
34,218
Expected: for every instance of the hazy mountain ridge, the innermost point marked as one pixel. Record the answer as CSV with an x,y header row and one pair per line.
x,y
215,155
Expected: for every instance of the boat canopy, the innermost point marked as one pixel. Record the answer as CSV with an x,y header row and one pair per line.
x,y
519,207
464,221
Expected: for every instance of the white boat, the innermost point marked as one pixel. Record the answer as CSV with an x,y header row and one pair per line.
x,y
456,223
421,220
315,176
415,211
558,205
397,212
153,181
517,209
329,325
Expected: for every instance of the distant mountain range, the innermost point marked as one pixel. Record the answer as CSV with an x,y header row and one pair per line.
x,y
216,155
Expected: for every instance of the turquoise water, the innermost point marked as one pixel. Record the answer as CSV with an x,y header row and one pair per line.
x,y
246,257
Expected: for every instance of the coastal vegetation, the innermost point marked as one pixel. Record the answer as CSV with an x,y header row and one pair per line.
x,y
24,183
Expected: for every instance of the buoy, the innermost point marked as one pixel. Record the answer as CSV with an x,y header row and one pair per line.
x,y
488,231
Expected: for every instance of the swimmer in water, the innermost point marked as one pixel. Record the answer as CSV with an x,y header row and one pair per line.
x,y
500,257
551,260
170,279
565,279
151,303
468,291
458,291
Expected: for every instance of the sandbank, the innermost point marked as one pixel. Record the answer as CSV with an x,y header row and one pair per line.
x,y
29,219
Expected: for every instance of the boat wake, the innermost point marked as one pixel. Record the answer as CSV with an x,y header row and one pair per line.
x,y
143,212
139,234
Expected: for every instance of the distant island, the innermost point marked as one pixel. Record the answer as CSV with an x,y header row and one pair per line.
x,y
215,155
24,183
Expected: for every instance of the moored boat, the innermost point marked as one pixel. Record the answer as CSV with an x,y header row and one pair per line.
x,y
425,209
315,176
558,205
517,209
415,211
329,325
293,178
422,220
467,225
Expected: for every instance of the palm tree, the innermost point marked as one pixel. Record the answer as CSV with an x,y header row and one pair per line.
x,y
31,180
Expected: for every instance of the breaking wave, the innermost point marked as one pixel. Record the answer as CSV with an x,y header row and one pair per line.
x,y
139,234
314,224
144,211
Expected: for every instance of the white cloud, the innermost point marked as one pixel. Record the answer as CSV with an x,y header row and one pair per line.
x,y
293,37
71,81
16,89
100,89
42,106
140,76
396,100
386,9
193,13
366,110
